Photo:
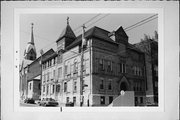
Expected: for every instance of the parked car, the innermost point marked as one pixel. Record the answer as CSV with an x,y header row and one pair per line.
x,y
48,102
37,101
29,100
71,104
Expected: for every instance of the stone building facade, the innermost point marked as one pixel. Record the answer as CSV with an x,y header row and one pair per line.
x,y
110,64
150,48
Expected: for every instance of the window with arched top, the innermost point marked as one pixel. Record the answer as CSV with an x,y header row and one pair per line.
x,y
65,86
123,86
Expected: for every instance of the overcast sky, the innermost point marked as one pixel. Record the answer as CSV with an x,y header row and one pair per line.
x,y
48,27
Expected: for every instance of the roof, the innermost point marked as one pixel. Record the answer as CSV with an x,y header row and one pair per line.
x,y
133,47
93,32
44,56
50,57
67,32
29,47
121,31
24,63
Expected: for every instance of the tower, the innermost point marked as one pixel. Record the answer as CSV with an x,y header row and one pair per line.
x,y
66,38
30,51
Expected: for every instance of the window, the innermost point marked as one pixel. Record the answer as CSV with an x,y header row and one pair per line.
x,y
74,100
124,68
50,63
120,67
101,64
60,58
48,76
84,65
47,64
54,73
141,99
136,100
102,100
75,66
47,90
156,70
30,86
110,85
110,99
109,68
53,89
75,86
101,84
60,72
66,69
67,99
137,71
57,88
39,86
65,87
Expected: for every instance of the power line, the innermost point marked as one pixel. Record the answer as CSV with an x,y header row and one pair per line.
x,y
98,20
141,24
140,21
129,28
87,22
95,22
74,29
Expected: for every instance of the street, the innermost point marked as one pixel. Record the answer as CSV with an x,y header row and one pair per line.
x,y
29,105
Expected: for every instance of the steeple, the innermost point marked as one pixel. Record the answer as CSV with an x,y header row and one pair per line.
x,y
67,20
32,36
30,51
66,37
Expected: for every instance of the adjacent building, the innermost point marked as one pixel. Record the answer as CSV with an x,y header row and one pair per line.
x,y
30,71
150,48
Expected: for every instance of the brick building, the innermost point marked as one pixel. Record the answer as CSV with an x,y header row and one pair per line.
x,y
110,64
150,48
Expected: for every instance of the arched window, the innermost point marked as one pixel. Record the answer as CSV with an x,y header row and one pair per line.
x,y
123,86
65,86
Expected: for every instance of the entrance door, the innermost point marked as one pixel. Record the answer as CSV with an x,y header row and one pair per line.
x,y
123,86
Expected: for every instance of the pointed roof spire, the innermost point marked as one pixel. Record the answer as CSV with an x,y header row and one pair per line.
x,y
32,36
67,32
67,20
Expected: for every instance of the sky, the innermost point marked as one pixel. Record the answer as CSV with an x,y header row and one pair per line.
x,y
48,27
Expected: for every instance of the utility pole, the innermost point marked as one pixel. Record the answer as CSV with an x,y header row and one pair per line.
x,y
41,52
81,70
